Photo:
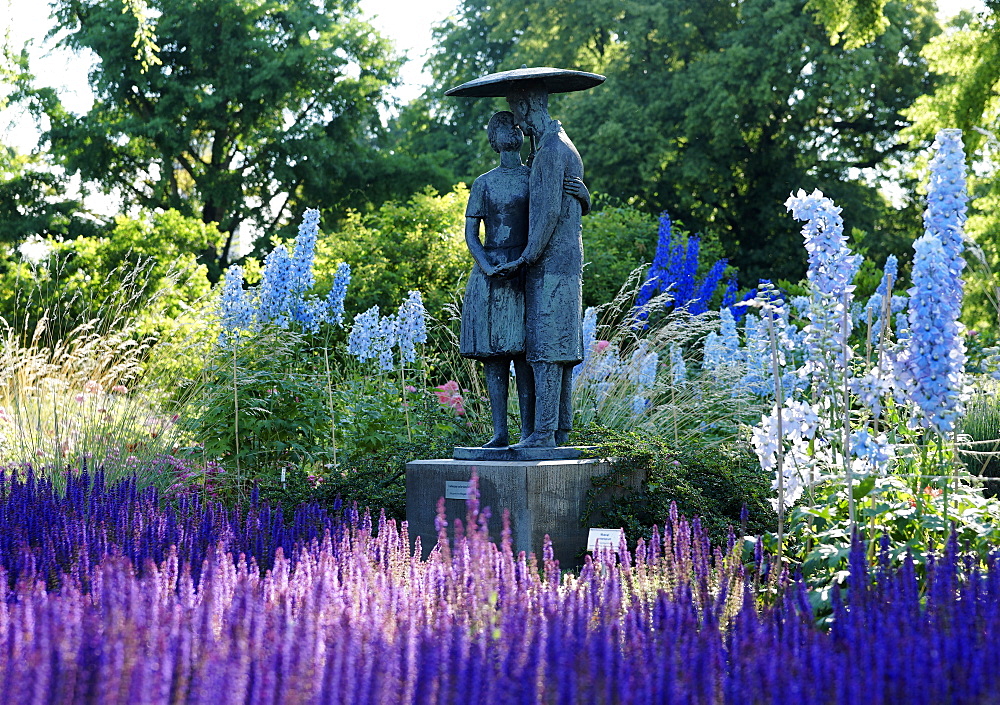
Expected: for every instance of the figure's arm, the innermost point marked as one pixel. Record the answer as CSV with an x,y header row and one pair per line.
x,y
545,203
476,248
575,187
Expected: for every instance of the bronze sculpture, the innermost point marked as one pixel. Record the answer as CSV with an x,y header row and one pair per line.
x,y
551,262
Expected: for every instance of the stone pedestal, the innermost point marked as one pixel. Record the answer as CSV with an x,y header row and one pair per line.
x,y
543,497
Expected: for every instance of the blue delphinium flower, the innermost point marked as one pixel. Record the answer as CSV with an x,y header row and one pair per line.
x,y
876,304
235,310
275,290
930,367
412,326
335,299
758,379
729,295
708,286
674,269
665,254
678,370
589,340
647,370
832,268
363,334
722,349
947,201
300,272
385,341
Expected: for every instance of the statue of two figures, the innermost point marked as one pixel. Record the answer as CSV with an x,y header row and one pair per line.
x,y
523,301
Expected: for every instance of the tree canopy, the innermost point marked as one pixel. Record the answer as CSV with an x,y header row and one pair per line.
x,y
250,107
714,111
967,58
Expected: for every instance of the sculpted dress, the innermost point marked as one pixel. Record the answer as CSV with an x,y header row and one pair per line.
x,y
554,283
493,311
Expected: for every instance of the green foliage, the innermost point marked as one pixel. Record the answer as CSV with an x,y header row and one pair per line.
x,y
418,245
854,22
246,102
142,267
260,408
981,424
33,201
615,241
714,111
711,483
915,515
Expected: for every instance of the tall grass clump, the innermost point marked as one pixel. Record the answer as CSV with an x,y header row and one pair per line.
x,y
979,439
101,390
642,372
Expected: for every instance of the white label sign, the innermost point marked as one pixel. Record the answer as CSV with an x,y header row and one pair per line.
x,y
454,489
604,538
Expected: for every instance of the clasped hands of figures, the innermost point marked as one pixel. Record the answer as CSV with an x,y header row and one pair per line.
x,y
572,186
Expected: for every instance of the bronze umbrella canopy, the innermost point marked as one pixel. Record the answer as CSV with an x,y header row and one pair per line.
x,y
499,85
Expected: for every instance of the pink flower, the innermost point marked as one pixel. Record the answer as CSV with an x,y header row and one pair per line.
x,y
4,416
410,388
79,398
119,389
602,345
92,387
448,395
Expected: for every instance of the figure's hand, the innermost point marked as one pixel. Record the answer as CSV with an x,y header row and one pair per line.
x,y
505,270
574,186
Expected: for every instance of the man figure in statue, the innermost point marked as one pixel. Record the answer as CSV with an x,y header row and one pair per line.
x,y
553,265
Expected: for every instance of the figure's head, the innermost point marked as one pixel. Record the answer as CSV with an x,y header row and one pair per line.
x,y
503,133
530,105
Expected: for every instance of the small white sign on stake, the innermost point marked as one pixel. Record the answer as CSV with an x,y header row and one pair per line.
x,y
604,538
455,489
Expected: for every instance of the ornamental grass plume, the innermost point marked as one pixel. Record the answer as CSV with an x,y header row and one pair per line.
x,y
616,386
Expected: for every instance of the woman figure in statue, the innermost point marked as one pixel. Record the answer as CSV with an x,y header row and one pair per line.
x,y
493,313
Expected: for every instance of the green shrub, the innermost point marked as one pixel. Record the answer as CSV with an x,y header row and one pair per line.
x,y
714,484
418,245
144,269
